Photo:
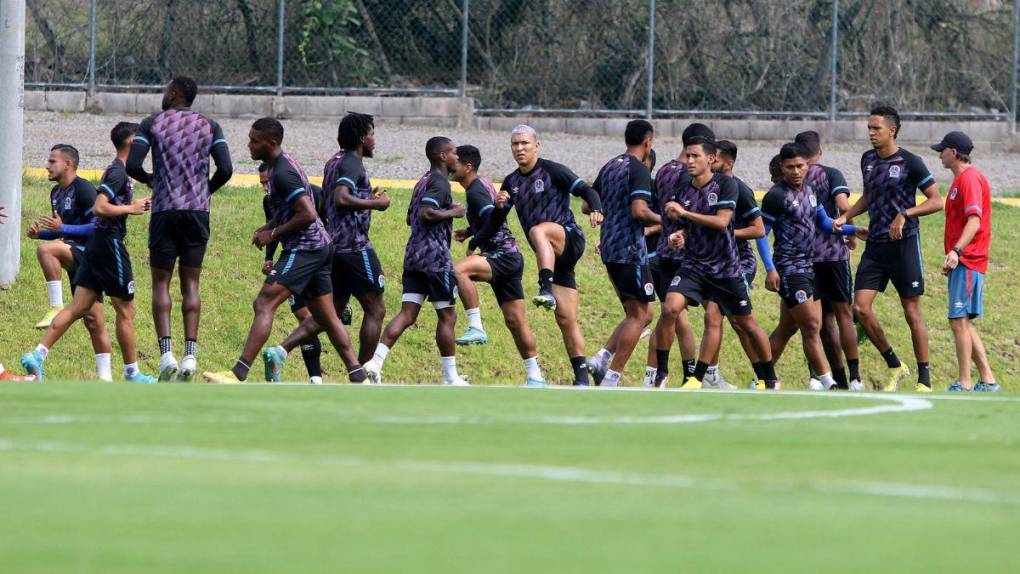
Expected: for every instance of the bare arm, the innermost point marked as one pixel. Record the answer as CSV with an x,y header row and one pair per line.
x,y
753,231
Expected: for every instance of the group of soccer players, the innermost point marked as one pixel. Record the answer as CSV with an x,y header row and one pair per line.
x,y
683,236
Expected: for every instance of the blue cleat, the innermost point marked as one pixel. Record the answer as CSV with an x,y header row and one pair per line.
x,y
534,382
473,336
33,363
597,369
141,378
983,387
274,358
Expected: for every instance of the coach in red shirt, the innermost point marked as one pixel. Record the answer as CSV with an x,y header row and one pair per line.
x,y
968,235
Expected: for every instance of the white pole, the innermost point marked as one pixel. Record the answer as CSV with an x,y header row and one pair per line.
x,y
12,131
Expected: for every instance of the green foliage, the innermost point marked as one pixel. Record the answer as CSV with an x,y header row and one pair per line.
x,y
327,40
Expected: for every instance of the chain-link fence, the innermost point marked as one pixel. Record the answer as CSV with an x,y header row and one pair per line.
x,y
722,57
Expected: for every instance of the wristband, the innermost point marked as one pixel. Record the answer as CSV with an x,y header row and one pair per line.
x,y
958,251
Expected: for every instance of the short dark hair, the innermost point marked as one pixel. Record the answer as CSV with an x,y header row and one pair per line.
x,y
776,168
793,150
964,157
637,131
122,133
435,144
889,113
651,158
270,127
470,154
707,145
696,130
187,87
811,140
69,150
353,127
727,148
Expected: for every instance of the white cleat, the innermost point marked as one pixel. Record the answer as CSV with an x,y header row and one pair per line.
x,y
815,385
167,368
717,382
373,373
856,386
315,380
458,382
189,366
649,380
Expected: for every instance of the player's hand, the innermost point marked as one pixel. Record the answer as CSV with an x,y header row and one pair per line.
x,y
262,238
458,209
51,223
851,242
267,266
677,240
596,218
896,227
838,223
460,235
772,281
33,231
382,199
862,234
952,260
674,210
141,205
501,198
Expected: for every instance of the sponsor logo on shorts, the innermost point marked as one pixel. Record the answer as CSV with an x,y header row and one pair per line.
x,y
382,281
675,281
290,300
894,171
801,296
915,284
649,289
743,303
958,305
131,287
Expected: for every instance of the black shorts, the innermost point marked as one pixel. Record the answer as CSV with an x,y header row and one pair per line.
x,y
833,283
297,303
106,267
662,274
357,273
507,271
573,249
729,293
896,261
632,281
439,287
797,288
178,234
305,273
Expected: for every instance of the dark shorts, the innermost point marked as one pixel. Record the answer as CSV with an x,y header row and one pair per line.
x,y
663,271
507,271
729,293
573,249
178,235
439,287
305,273
106,267
632,281
834,283
357,273
797,288
297,303
748,279
77,260
896,261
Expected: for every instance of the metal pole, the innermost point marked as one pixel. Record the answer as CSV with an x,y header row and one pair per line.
x,y
649,109
1016,61
12,116
464,48
281,6
92,49
835,59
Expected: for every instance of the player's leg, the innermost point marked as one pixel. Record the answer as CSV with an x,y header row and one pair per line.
x,y
53,257
808,317
270,297
322,309
918,336
986,378
784,331
81,304
468,270
128,340
446,341
549,241
964,348
628,334
161,307
373,307
573,338
191,308
524,339
410,306
311,347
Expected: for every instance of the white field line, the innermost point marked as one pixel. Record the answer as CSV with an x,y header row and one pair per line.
x,y
506,470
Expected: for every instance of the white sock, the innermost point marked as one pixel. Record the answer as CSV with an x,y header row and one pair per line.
x,y
530,365
827,381
56,291
603,356
42,350
650,374
381,351
712,370
475,318
449,368
612,379
130,369
104,367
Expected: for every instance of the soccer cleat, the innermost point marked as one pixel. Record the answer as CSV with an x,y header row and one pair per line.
x,y
544,299
9,376
222,378
534,382
457,382
717,382
922,388
650,376
473,336
815,385
958,388
597,369
373,373
44,323
691,384
581,383
983,387
167,369
661,380
315,380
896,375
856,386
347,315
274,358
141,378
33,363
758,385
189,366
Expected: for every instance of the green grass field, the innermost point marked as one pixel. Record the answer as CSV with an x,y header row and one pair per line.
x,y
231,280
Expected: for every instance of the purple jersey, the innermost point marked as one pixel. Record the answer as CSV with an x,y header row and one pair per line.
x,y
828,182
116,186
348,227
709,252
74,204
791,213
481,198
543,194
287,186
666,180
622,180
891,186
181,141
428,247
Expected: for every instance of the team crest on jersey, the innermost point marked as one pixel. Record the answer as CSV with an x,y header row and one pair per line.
x,y
952,194
712,198
801,296
539,185
894,171
68,202
813,201
675,281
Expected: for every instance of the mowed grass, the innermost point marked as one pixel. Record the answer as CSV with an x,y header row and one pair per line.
x,y
231,279
275,478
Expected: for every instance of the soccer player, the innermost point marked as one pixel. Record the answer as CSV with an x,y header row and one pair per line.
x,y
967,238
710,271
892,176
181,142
428,266
72,220
304,265
747,227
499,263
624,186
540,190
106,267
792,211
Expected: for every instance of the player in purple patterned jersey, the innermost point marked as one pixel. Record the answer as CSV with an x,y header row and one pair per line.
x,y
428,267
181,142
304,265
892,177
499,263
